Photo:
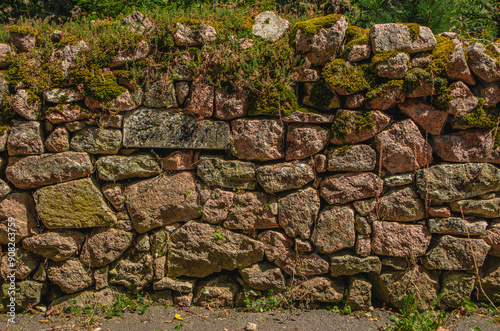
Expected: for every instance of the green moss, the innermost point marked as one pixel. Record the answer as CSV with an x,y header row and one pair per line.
x,y
414,77
135,37
313,26
100,86
382,56
71,40
280,98
344,121
341,151
444,98
480,117
356,36
350,78
320,96
380,90
441,54
22,29
191,23
36,74
414,30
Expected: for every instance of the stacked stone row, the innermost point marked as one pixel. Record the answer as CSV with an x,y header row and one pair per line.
x,y
180,193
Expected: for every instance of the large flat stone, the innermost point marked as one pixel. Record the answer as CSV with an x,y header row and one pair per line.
x,y
285,176
157,128
75,204
400,240
215,171
342,188
481,208
118,167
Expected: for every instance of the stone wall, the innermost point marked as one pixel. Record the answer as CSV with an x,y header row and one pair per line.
x,y
383,183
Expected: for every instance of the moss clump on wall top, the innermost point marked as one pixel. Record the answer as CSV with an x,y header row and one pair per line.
x,y
342,126
441,54
344,76
22,29
313,26
414,30
356,36
101,86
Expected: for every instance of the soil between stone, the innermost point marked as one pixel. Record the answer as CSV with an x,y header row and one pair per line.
x,y
161,318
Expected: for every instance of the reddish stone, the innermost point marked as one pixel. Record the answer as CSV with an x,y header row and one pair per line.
x,y
356,100
402,148
335,229
216,209
114,193
401,205
355,132
389,98
260,140
67,113
467,146
440,211
492,238
285,176
201,101
21,207
491,95
252,210
180,160
462,100
276,244
301,117
58,140
363,245
342,188
25,138
230,105
302,265
401,240
304,140
428,117
298,211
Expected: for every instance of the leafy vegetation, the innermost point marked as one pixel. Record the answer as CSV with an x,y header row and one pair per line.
x,y
413,320
262,304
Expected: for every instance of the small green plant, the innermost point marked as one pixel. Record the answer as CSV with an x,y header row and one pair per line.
x,y
468,305
263,304
218,236
267,206
413,320
345,310
124,303
178,326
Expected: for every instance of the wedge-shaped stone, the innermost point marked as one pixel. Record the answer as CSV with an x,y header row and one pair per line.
x,y
112,168
200,249
400,240
458,226
452,253
157,128
75,204
163,200
452,182
215,171
47,169
348,264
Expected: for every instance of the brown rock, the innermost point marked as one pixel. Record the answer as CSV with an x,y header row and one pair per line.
x,y
458,226
481,208
400,240
300,265
402,148
4,51
201,101
359,53
492,238
457,67
252,210
111,121
428,117
321,289
230,105
25,138
232,174
114,193
467,146
352,158
216,209
67,56
21,207
353,129
216,292
134,270
58,140
70,275
363,246
67,113
127,54
385,97
185,36
452,253
354,101
163,200
40,170
23,42
180,160
260,140
27,104
401,205
482,64
298,212
124,102
263,277
104,245
24,264
462,100
55,245
334,229
342,188
276,244
306,75
160,94
304,140
360,293
285,176
440,211
349,264
489,289
490,94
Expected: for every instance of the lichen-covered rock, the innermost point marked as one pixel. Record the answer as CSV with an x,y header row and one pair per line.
x,y
27,104
160,94
319,39
403,148
455,286
215,171
489,290
260,140
301,117
334,229
201,101
123,102
490,94
482,64
134,270
63,95
185,36
400,240
156,128
263,277
174,284
306,75
467,146
425,115
58,140
398,180
481,208
320,289
410,38
230,105
162,200
113,168
70,275
304,140
458,226
317,95
352,158
25,138
138,23
22,264
385,96
360,293
40,170
393,66
276,244
55,245
29,293
130,54
461,100
252,210
23,41
285,176
297,212
393,286
270,26
492,238
4,189
104,245
457,67
97,141
216,292
75,204
342,188
5,50
302,265
348,264
21,207
199,249
67,113
352,126
452,182
401,205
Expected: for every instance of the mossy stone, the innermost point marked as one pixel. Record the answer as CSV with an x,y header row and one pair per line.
x,y
344,78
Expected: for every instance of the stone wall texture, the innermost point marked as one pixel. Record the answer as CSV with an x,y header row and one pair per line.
x,y
175,190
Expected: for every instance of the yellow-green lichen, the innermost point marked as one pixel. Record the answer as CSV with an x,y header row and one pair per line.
x,y
414,30
441,54
313,26
341,151
380,90
70,40
22,29
355,36
280,98
346,122
481,117
442,101
100,86
382,56
191,23
414,78
346,77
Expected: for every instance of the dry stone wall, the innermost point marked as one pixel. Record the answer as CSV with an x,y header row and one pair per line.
x,y
385,183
